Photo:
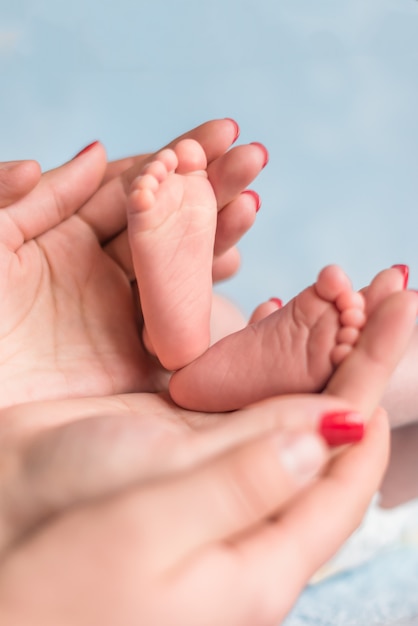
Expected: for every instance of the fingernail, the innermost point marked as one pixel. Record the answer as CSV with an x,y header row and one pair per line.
x,y
301,455
404,270
256,197
237,129
277,301
341,427
264,149
86,149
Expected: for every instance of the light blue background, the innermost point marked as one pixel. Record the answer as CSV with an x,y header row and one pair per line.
x,y
330,87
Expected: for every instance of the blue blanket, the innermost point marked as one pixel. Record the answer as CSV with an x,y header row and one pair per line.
x,y
381,592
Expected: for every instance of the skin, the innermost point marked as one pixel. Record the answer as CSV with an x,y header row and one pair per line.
x,y
46,575
67,263
172,215
225,551
229,172
17,179
105,213
213,569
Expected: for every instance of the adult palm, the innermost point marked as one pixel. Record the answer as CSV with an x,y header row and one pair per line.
x,y
67,324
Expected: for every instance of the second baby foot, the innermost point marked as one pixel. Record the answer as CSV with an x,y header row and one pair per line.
x,y
295,349
172,215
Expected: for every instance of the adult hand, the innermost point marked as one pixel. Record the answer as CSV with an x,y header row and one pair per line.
x,y
221,537
17,179
226,542
69,326
63,453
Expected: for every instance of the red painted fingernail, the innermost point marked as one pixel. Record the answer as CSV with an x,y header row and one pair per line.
x,y
277,301
237,129
404,269
86,149
341,427
264,149
256,197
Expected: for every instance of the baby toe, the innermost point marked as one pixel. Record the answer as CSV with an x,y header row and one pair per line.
x,y
350,300
355,318
348,335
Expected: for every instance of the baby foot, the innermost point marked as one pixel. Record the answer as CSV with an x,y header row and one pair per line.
x,y
295,349
172,213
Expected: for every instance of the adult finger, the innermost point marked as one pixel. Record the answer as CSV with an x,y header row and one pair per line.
x,y
264,309
59,194
17,179
119,166
226,265
235,219
119,250
233,171
384,284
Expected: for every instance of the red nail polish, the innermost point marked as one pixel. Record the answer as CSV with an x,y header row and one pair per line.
x,y
404,269
256,197
341,427
277,301
86,149
237,128
264,149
